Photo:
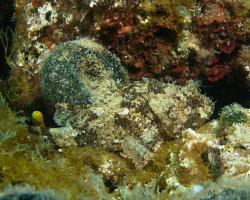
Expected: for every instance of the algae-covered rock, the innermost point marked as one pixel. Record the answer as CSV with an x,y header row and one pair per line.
x,y
26,192
218,148
80,71
233,113
64,136
224,188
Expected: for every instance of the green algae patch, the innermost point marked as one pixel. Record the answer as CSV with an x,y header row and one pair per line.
x,y
164,166
41,173
70,172
163,155
75,172
27,162
27,158
106,164
21,90
200,172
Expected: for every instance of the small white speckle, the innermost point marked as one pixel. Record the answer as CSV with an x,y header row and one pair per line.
x,y
92,4
203,114
98,111
125,111
116,141
68,18
247,68
197,188
191,132
215,125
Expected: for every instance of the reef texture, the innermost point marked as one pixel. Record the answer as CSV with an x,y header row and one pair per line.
x,y
223,188
118,139
168,40
222,144
26,192
182,168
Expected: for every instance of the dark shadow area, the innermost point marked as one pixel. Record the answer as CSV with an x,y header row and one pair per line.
x,y
7,25
233,88
166,34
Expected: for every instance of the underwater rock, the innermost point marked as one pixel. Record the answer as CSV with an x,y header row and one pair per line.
x,y
79,72
232,114
199,157
218,148
222,189
243,60
26,192
64,136
136,119
233,130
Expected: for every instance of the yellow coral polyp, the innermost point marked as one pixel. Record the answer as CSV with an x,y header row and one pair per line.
x,y
37,118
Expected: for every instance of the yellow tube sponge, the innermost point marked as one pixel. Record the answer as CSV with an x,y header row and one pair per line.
x,y
37,118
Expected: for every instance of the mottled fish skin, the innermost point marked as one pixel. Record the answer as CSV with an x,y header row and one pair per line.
x,y
135,120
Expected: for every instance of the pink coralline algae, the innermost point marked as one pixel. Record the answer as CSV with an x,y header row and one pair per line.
x,y
216,72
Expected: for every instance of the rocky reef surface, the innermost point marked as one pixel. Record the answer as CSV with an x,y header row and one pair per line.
x,y
133,119
126,100
153,136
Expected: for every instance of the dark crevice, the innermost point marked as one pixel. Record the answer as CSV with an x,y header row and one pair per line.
x,y
7,25
166,34
233,88
110,185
